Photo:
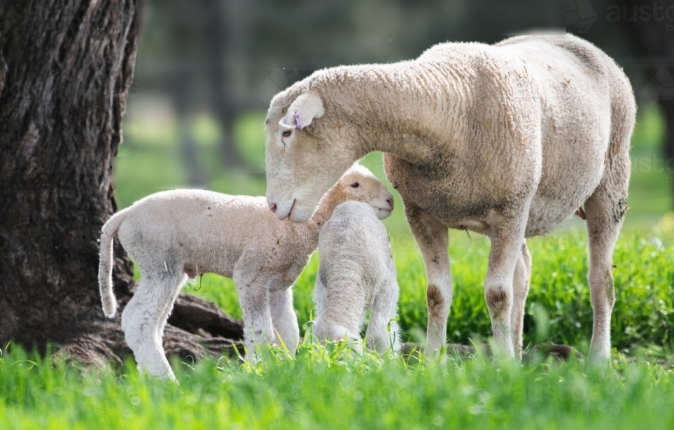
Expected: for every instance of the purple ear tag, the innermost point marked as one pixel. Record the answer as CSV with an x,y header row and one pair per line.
x,y
298,123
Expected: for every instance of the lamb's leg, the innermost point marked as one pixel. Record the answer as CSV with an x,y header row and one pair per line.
x,y
384,309
320,303
284,318
169,306
604,211
142,318
339,310
506,248
520,292
254,298
432,238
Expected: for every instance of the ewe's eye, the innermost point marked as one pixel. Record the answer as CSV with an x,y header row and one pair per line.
x,y
286,133
355,185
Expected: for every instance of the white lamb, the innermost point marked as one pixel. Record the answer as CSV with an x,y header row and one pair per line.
x,y
181,233
356,273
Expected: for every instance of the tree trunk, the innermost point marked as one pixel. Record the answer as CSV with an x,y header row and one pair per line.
x,y
65,68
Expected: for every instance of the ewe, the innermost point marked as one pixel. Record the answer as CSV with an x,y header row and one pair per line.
x,y
181,233
506,140
356,273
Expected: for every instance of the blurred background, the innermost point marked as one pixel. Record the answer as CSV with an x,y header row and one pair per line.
x,y
207,69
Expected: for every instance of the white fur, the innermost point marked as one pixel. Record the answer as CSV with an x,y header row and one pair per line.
x,y
507,140
356,273
181,233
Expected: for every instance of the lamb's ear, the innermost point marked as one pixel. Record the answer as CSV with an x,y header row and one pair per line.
x,y
302,112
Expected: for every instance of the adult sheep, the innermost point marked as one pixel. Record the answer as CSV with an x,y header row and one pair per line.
x,y
507,140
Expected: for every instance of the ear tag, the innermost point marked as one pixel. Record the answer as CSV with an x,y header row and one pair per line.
x,y
298,123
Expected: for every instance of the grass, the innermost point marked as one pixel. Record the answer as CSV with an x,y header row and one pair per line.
x,y
329,387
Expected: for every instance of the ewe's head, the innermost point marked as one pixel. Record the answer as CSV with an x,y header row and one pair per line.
x,y
306,154
361,185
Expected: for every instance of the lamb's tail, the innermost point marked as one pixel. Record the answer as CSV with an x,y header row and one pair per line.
x,y
106,263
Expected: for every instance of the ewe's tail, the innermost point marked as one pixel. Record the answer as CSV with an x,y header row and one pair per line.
x,y
106,262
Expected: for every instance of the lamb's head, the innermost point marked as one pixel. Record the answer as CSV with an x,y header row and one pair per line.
x,y
306,154
359,184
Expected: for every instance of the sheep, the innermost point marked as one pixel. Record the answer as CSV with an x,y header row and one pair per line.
x,y
356,273
174,235
506,140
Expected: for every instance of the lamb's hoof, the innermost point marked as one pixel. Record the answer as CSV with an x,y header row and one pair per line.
x,y
560,352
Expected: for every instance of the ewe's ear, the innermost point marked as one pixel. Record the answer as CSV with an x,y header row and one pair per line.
x,y
302,111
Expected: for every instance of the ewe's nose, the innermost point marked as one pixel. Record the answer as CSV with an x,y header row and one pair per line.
x,y
390,202
272,206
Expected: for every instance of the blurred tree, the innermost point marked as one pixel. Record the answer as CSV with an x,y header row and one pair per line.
x,y
182,31
65,69
234,55
223,36
638,36
654,40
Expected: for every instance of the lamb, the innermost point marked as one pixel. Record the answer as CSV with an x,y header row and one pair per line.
x,y
177,234
356,273
506,140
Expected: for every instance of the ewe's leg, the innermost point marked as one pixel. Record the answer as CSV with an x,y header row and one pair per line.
x,y
506,243
520,292
254,298
141,320
384,310
284,318
431,236
604,214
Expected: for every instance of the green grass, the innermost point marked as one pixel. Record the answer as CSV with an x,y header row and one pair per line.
x,y
331,388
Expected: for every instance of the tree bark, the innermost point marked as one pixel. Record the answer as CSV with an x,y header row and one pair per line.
x,y
65,69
